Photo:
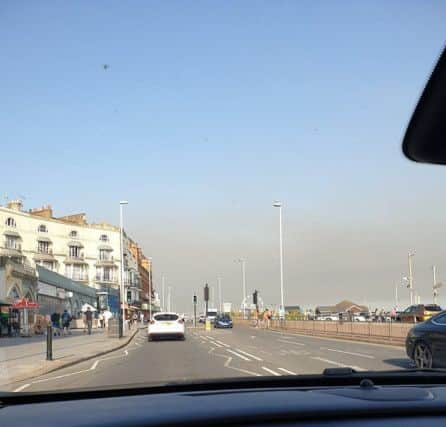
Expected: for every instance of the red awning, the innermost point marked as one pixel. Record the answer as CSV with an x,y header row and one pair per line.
x,y
25,303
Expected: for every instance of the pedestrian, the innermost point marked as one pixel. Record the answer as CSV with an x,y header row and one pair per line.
x,y
55,320
267,318
89,320
101,319
141,318
66,319
135,318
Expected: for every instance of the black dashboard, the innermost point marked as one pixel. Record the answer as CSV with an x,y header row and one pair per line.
x,y
368,406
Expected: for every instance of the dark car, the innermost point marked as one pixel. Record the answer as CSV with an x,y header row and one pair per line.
x,y
426,342
223,321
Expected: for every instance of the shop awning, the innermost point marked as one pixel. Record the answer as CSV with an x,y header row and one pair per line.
x,y
25,303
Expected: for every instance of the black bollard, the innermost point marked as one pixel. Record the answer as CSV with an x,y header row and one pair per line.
x,y
49,342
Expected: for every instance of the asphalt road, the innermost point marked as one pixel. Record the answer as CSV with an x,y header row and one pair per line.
x,y
219,353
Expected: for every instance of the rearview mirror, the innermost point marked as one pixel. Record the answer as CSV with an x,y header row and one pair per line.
x,y
425,138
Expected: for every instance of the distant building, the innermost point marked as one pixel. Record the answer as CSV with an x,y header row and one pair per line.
x,y
344,306
68,245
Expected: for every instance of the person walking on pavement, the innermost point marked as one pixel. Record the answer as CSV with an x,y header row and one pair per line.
x,y
89,320
66,319
101,319
267,318
55,320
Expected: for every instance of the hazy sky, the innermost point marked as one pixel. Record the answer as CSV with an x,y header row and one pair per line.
x,y
211,110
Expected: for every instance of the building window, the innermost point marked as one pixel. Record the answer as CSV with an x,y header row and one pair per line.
x,y
10,222
76,272
103,238
42,229
73,233
104,274
104,255
74,251
12,243
43,247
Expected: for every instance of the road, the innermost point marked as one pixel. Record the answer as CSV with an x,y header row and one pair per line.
x,y
241,351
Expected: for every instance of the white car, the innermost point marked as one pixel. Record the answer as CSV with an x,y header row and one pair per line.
x,y
166,325
329,317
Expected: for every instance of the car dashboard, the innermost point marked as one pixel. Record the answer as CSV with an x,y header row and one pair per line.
x,y
367,404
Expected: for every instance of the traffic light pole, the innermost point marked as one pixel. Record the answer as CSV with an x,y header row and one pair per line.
x,y
195,311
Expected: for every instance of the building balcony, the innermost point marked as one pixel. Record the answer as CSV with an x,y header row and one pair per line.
x,y
79,259
44,256
106,279
106,262
79,277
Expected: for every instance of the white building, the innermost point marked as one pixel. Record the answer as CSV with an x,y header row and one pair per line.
x,y
88,253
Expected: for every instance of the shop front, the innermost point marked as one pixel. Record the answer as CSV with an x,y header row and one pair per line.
x,y
57,293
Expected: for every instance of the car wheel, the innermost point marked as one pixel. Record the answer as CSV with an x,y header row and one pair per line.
x,y
422,355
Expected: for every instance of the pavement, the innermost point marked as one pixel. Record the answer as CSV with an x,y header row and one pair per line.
x,y
25,357
239,352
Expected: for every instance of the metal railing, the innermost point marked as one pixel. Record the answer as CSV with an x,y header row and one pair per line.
x,y
12,245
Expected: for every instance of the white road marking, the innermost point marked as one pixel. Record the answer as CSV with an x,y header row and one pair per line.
x,y
21,388
238,355
367,356
137,344
291,342
271,371
223,344
287,371
249,355
95,364
228,361
342,365
217,344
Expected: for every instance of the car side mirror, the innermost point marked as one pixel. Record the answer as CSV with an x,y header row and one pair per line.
x,y
425,137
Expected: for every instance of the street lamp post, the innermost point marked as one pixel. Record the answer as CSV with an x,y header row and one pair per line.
x,y
282,306
163,293
410,278
219,294
121,275
242,261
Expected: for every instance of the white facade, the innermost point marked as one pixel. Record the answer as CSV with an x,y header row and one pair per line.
x,y
88,253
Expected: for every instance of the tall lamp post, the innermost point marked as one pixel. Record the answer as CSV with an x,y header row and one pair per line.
x,y
278,204
242,261
121,275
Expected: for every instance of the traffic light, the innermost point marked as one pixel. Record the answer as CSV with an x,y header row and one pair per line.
x,y
254,297
195,299
206,293
129,296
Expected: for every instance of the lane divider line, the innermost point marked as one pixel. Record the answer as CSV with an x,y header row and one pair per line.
x,y
342,365
223,344
287,371
291,342
367,356
271,371
238,355
249,355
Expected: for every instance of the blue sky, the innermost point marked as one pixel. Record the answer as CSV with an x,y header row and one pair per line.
x,y
208,112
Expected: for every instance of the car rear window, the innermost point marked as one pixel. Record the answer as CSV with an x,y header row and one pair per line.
x,y
165,317
432,307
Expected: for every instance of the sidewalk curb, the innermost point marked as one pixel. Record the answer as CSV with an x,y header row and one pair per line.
x,y
62,365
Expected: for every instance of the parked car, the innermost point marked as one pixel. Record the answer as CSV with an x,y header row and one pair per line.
x,y
426,342
201,318
166,325
418,313
328,317
223,321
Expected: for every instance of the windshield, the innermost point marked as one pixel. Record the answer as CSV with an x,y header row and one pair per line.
x,y
215,160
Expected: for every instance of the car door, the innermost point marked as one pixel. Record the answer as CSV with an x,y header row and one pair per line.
x,y
437,337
